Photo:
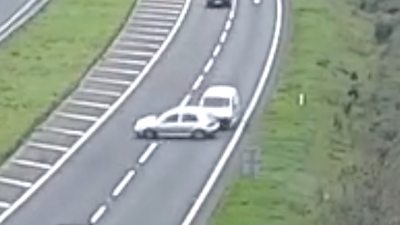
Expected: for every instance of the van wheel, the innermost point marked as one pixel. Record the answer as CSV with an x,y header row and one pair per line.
x,y
149,134
199,134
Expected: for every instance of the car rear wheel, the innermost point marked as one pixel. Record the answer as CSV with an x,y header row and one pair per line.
x,y
199,134
150,134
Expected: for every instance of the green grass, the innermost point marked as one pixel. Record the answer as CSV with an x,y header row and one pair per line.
x,y
303,151
46,58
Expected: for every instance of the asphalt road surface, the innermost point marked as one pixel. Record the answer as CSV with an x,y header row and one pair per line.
x,y
165,186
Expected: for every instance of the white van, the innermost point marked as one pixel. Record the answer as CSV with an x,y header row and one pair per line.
x,y
223,102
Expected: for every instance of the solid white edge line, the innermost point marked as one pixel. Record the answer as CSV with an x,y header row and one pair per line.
x,y
198,82
185,100
123,183
217,50
223,37
25,14
15,182
208,66
16,15
22,199
4,205
96,216
149,151
194,210
30,163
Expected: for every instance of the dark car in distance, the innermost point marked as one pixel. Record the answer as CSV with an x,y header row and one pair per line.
x,y
218,3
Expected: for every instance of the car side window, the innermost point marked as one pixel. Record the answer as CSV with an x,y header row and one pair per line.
x,y
171,119
189,118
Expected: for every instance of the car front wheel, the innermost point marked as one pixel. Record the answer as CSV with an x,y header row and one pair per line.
x,y
199,134
150,134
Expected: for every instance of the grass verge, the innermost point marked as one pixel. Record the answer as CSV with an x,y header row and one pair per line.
x,y
47,57
305,149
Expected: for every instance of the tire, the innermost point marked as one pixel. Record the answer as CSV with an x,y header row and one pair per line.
x,y
150,134
199,134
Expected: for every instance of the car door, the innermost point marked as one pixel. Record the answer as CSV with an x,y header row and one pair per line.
x,y
189,123
169,125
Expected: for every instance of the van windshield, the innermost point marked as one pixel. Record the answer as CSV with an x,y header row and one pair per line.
x,y
216,102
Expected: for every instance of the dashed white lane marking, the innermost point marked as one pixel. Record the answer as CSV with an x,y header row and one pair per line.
x,y
223,37
134,53
49,147
128,61
101,92
208,66
109,81
33,164
149,30
228,25
126,43
123,183
98,214
257,2
149,151
217,50
214,176
77,116
232,14
15,182
185,100
89,104
64,131
4,205
152,23
198,82
154,16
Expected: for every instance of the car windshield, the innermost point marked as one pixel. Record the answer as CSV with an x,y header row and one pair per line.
x,y
216,102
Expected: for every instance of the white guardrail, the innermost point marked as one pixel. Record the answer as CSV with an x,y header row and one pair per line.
x,y
23,14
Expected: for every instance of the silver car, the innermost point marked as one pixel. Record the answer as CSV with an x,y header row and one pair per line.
x,y
187,122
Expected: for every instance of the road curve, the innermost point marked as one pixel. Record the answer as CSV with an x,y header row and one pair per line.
x,y
8,8
14,13
161,190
